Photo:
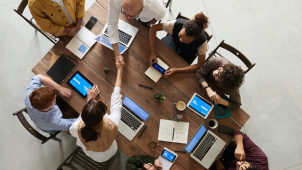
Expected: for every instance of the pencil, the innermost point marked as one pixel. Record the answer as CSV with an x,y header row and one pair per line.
x,y
142,132
145,86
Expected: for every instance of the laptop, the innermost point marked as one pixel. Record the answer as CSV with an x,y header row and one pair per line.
x,y
126,34
204,147
132,119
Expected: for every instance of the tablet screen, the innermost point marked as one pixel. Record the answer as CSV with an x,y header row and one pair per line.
x,y
168,155
200,105
80,83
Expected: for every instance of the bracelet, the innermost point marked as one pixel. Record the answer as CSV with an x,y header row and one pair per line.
x,y
206,87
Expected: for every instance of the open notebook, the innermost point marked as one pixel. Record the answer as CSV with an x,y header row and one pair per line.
x,y
81,42
172,131
155,75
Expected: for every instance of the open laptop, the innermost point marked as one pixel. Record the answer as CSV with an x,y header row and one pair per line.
x,y
132,119
126,33
205,146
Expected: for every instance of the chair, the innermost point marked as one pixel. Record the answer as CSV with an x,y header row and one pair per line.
x,y
207,34
79,160
31,130
20,11
234,51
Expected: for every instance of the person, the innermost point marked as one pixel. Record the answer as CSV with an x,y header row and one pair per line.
x,y
185,37
41,104
219,77
144,10
242,154
95,130
58,17
143,161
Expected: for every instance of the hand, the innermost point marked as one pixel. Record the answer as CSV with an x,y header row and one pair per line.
x,y
170,72
239,153
119,65
65,92
158,164
119,59
212,94
149,166
92,93
74,30
152,58
67,30
218,99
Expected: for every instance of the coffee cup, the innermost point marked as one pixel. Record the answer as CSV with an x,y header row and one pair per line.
x,y
180,105
152,145
213,123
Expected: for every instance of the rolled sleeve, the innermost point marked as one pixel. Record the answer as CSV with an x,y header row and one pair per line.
x,y
63,124
202,50
80,9
112,20
168,26
161,10
116,105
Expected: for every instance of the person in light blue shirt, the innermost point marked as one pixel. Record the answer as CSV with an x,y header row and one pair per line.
x,y
41,104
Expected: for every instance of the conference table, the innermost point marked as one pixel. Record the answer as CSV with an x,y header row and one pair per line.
x,y
179,87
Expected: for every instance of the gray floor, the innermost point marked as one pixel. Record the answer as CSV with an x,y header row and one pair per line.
x,y
268,32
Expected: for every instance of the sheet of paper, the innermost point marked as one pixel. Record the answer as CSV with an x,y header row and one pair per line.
x,y
153,74
181,130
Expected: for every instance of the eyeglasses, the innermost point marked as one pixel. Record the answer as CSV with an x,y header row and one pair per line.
x,y
127,15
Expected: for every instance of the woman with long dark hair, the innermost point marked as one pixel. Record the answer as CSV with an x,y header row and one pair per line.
x,y
96,130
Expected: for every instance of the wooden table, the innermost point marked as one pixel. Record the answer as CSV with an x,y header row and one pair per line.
x,y
179,87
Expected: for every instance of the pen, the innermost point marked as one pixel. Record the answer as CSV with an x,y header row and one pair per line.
x,y
145,86
173,133
142,132
180,151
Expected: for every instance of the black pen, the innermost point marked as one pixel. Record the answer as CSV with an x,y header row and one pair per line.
x,y
145,86
173,134
180,151
142,132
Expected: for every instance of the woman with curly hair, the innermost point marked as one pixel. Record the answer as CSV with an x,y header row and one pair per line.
x,y
219,77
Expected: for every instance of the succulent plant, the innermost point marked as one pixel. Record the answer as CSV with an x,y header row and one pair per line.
x,y
159,97
107,69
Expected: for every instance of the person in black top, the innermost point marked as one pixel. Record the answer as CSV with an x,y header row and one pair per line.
x,y
185,37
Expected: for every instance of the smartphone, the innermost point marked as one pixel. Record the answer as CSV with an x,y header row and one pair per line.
x,y
92,21
158,68
226,130
168,155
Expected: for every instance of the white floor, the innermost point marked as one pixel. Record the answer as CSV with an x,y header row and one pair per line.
x,y
268,32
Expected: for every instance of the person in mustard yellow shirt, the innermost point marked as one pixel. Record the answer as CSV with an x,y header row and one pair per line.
x,y
58,17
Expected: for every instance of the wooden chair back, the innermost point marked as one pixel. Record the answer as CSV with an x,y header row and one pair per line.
x,y
20,11
234,51
31,130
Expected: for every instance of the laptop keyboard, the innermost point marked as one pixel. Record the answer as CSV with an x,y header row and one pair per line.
x,y
204,147
129,119
122,36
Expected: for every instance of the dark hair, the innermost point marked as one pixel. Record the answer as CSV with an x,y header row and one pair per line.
x,y
92,115
232,76
195,26
42,97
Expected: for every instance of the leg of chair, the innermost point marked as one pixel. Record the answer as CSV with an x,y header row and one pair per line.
x,y
169,4
53,137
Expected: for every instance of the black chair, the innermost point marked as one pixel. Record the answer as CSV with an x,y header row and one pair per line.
x,y
207,34
31,130
234,51
79,160
20,11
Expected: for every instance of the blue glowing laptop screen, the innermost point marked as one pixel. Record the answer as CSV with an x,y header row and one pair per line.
x,y
105,41
194,141
130,104
80,84
199,105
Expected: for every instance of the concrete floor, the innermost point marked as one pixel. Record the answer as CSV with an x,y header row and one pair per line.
x,y
268,32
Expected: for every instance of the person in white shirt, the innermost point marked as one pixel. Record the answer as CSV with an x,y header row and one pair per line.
x,y
95,130
144,10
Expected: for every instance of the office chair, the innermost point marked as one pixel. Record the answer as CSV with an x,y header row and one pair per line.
x,y
234,51
79,160
183,17
31,130
20,11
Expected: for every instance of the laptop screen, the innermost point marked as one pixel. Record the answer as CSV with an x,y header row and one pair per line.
x,y
135,108
105,41
194,141
200,105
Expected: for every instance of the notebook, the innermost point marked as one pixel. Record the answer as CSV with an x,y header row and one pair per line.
x,y
81,42
60,69
154,74
172,131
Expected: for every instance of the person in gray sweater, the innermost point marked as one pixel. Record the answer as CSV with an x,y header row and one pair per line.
x,y
220,78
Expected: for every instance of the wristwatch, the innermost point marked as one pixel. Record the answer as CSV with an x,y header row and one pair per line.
x,y
206,86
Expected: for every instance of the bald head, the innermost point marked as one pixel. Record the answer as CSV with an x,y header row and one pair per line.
x,y
132,7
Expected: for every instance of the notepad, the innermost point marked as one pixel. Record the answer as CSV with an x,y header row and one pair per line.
x,y
81,42
172,131
155,75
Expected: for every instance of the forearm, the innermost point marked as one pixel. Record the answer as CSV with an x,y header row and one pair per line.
x,y
190,68
239,140
115,50
79,22
118,82
152,38
49,82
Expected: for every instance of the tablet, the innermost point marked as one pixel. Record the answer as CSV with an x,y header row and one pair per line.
x,y
167,158
200,106
80,83
168,155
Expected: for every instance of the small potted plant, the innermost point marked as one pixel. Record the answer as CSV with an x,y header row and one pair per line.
x,y
107,69
159,97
